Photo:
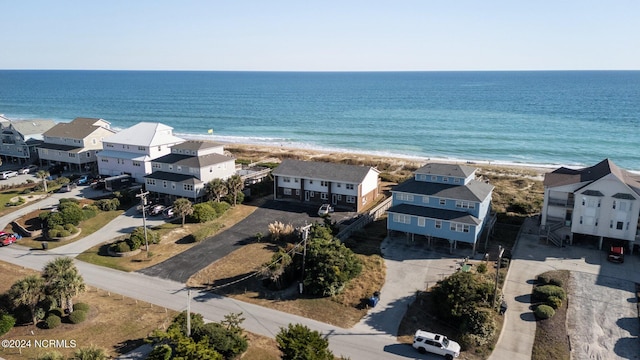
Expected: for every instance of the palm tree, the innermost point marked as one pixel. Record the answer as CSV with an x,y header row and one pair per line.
x,y
43,174
235,185
182,207
217,189
29,292
63,281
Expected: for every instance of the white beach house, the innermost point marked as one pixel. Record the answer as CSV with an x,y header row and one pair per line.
x,y
131,150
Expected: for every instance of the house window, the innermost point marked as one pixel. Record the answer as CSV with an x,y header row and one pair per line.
x,y
425,199
610,224
405,197
109,145
94,141
443,202
421,222
286,191
445,179
296,180
173,185
156,166
349,186
142,148
438,224
614,204
619,225
401,218
364,200
286,179
170,167
187,187
164,184
324,183
159,148
459,227
312,194
580,220
137,163
298,192
339,185
324,196
179,168
88,153
351,199
120,161
456,180
72,155
434,178
104,160
339,197
151,181
310,181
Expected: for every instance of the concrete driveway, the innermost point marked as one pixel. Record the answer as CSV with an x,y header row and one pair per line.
x,y
182,266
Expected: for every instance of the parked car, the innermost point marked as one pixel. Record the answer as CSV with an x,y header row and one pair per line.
x,y
84,180
7,238
168,213
156,209
55,170
426,342
28,169
616,254
8,174
325,209
67,187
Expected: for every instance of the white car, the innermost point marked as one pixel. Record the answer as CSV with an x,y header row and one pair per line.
x,y
28,169
426,342
324,210
8,174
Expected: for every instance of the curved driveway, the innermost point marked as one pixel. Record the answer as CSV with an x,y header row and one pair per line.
x,y
182,266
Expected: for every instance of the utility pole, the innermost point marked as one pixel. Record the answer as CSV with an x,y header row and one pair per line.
x,y
500,252
305,235
189,312
143,203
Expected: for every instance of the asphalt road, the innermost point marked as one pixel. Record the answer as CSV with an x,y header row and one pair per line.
x,y
182,266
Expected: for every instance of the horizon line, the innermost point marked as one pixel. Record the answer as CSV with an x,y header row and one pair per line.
x,y
324,71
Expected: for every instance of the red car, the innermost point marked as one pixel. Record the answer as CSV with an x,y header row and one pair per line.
x,y
7,238
616,254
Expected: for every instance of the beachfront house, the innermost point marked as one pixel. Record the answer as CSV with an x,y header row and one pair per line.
x,y
188,168
74,145
131,150
441,201
593,204
20,139
347,187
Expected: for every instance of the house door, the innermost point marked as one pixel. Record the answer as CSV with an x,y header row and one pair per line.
x,y
306,195
334,199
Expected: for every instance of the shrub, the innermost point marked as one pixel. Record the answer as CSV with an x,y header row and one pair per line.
x,y
543,279
81,306
299,342
53,219
555,281
52,321
6,323
71,213
121,247
542,293
180,322
160,352
136,239
50,355
482,268
227,342
90,211
203,212
108,204
78,316
71,228
544,312
93,352
478,322
554,301
220,207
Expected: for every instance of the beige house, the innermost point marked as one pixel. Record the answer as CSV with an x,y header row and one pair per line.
x,y
74,144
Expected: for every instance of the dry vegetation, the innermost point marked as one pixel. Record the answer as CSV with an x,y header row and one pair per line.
x,y
552,339
343,310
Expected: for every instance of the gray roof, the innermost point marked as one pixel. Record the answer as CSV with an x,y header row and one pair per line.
x,y
566,176
323,171
193,161
197,145
473,191
79,129
31,127
432,213
446,170
167,176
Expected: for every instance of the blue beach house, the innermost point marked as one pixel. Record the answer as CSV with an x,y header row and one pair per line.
x,y
441,201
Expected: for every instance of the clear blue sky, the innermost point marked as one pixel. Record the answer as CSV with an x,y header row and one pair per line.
x,y
320,35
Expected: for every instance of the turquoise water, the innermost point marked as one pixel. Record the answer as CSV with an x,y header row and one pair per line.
x,y
548,118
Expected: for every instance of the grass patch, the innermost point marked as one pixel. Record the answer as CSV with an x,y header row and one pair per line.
x,y
552,339
174,239
342,310
117,324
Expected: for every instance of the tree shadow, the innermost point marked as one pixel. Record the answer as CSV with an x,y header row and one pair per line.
x,y
128,345
525,298
528,316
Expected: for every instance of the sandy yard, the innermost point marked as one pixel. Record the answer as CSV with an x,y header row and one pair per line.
x,y
602,318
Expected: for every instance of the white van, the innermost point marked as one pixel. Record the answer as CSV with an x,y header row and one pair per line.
x,y
434,343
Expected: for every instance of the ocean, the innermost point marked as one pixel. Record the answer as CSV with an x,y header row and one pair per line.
x,y
537,118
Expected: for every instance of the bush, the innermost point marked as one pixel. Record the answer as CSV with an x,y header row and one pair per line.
x,y
203,212
71,228
220,207
160,352
71,213
543,279
554,301
136,239
6,323
121,247
93,352
555,281
482,268
90,211
180,322
108,204
299,342
78,316
542,293
52,321
544,312
228,343
50,355
81,306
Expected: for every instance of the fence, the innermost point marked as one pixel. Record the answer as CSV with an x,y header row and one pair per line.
x,y
365,219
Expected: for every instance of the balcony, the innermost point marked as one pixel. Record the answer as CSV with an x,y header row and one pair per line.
x,y
559,202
